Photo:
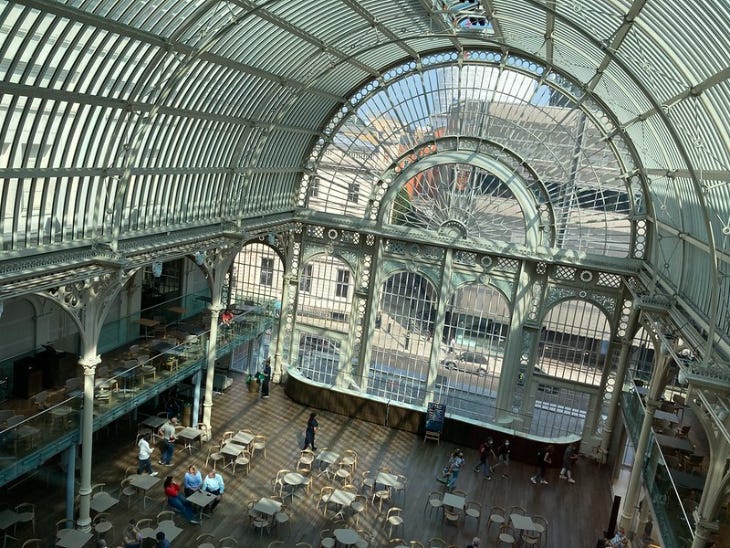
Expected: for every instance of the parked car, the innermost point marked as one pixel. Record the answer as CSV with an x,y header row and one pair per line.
x,y
471,362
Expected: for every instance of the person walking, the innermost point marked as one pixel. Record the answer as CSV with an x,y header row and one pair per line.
x,y
503,452
455,463
266,378
312,427
569,458
192,481
485,452
177,500
167,433
144,456
213,483
162,542
544,457
474,543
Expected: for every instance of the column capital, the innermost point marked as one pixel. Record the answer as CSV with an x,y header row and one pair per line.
x,y
89,364
215,308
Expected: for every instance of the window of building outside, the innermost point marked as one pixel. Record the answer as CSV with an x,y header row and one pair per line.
x,y
314,187
353,192
343,282
305,280
267,271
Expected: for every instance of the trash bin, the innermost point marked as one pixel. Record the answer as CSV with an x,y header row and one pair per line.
x,y
187,413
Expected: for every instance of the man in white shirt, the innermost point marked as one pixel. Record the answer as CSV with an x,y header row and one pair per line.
x,y
144,456
213,483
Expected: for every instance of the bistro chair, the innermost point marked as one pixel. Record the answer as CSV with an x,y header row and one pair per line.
x,y
26,514
102,524
473,509
326,540
244,459
435,501
306,460
497,516
32,543
258,444
214,455
359,506
206,540
506,536
229,542
394,519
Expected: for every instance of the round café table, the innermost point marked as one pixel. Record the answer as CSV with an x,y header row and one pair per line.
x,y
347,537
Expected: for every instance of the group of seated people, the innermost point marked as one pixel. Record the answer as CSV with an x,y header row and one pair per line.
x,y
619,540
194,481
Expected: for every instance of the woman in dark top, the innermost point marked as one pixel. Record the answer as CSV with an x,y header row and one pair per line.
x,y
266,378
312,426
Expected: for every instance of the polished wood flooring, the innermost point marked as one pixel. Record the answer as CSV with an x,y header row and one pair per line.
x,y
577,514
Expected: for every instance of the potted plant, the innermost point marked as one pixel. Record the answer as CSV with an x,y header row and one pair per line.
x,y
253,381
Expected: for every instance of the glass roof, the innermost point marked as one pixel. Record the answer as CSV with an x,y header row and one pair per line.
x,y
123,118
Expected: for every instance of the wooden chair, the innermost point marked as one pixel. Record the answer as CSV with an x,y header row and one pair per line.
x,y
258,444
324,498
102,524
435,501
214,455
244,459
228,542
359,506
326,540
32,543
541,526
305,461
498,516
506,536
452,516
367,481
26,514
128,490
437,542
394,519
381,496
473,509
206,540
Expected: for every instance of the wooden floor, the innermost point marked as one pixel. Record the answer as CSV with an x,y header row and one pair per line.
x,y
577,514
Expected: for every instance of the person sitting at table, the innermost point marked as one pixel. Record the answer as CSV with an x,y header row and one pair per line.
x,y
619,540
177,500
162,542
227,317
132,535
193,480
213,483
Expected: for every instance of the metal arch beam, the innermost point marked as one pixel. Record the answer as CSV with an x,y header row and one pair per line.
x,y
372,21
513,181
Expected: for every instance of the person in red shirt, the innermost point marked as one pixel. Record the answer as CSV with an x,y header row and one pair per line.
x,y
176,499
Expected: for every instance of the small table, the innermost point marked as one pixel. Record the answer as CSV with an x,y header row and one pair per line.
x,y
154,421
8,518
73,538
243,438
387,479
343,498
294,479
328,458
524,523
454,501
189,435
232,450
102,501
667,416
201,499
144,482
147,323
267,506
680,444
348,537
60,413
